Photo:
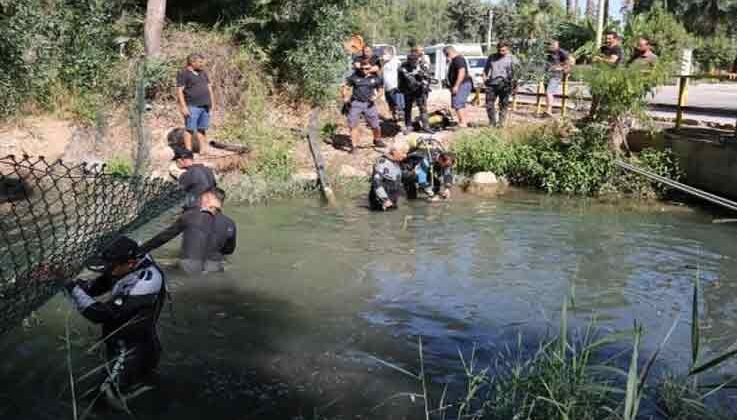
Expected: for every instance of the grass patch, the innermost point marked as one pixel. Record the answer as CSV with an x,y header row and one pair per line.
x,y
561,159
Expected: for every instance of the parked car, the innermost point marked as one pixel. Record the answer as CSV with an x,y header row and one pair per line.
x,y
476,64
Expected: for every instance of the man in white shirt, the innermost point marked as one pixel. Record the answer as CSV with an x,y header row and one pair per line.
x,y
394,97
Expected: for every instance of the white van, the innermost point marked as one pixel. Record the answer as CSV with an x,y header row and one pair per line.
x,y
438,62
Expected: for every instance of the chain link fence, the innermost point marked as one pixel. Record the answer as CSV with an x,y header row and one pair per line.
x,y
54,217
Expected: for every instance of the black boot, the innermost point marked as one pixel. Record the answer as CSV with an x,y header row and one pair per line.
x,y
425,123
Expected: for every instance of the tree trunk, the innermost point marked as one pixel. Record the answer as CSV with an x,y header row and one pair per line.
x,y
591,9
569,8
575,9
153,26
606,12
619,129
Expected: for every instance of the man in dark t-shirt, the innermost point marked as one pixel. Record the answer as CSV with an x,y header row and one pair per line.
x,y
368,54
360,92
195,97
557,67
459,82
209,235
611,52
195,180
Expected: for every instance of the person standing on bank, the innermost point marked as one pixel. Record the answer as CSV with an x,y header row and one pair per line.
x,y
500,81
196,100
386,181
195,180
360,92
644,55
394,97
209,235
557,67
611,52
414,83
460,83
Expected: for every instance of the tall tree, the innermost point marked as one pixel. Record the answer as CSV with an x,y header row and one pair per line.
x,y
591,9
153,26
466,19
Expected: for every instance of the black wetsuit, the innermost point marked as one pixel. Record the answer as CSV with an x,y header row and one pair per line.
x,y
386,184
414,83
128,319
442,177
194,181
207,238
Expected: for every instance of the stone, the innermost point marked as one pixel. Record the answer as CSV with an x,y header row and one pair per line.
x,y
305,176
347,171
484,178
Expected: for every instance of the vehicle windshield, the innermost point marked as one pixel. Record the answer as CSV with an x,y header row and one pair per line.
x,y
477,62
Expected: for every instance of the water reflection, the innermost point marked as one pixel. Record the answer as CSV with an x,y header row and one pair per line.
x,y
312,292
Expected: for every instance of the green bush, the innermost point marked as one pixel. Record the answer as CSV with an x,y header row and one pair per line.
x,y
52,43
716,52
579,164
119,167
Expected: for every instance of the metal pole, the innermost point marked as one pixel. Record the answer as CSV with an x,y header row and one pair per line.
x,y
489,30
600,23
540,93
564,99
682,92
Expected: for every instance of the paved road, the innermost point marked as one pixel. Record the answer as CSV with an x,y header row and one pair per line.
x,y
721,96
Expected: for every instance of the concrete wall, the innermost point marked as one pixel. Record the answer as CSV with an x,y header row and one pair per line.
x,y
708,157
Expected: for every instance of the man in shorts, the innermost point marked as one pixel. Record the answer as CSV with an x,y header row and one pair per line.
x,y
195,97
558,66
360,92
460,83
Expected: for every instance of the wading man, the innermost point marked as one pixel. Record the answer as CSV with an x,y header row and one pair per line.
x,y
208,235
386,181
129,316
360,93
499,78
196,100
195,180
428,168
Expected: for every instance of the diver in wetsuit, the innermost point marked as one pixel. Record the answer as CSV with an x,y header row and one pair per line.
x,y
428,168
129,316
386,181
209,235
195,180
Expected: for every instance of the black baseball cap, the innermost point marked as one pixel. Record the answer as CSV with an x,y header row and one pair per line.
x,y
122,249
182,153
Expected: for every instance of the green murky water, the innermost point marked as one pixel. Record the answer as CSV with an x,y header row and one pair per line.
x,y
313,295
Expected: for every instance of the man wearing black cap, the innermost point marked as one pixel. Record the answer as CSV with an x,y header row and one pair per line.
x,y
137,289
196,179
209,235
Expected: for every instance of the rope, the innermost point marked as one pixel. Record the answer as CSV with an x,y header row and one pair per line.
x,y
679,186
54,217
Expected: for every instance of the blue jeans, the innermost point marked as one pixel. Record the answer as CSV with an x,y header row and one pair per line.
x,y
423,171
198,120
395,100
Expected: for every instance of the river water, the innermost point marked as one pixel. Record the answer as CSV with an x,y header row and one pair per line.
x,y
314,296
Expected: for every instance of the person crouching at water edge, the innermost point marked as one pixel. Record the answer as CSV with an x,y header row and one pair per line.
x,y
208,235
428,168
129,316
386,180
196,178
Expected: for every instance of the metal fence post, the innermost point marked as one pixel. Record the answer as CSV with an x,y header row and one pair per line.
x,y
564,99
540,92
682,97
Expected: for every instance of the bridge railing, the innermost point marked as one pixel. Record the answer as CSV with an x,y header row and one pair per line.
x,y
680,107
